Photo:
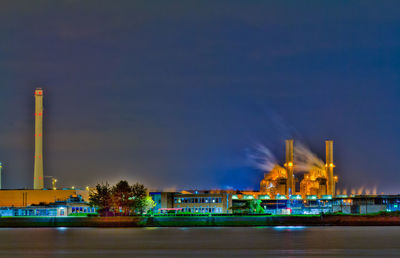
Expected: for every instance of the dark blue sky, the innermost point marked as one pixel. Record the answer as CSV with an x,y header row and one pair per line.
x,y
172,94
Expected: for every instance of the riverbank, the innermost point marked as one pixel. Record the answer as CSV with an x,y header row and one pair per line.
x,y
200,221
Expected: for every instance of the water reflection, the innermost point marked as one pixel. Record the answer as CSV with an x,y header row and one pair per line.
x,y
200,241
289,228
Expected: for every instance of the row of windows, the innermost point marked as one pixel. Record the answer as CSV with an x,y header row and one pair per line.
x,y
38,212
199,200
202,209
83,210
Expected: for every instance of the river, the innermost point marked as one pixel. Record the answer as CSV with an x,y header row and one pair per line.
x,y
200,242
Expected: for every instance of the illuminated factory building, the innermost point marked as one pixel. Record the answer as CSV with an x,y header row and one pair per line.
x,y
318,181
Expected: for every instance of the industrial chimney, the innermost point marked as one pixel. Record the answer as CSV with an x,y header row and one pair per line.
x,y
0,175
329,168
290,187
38,167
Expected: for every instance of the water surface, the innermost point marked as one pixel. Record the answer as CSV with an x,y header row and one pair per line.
x,y
210,242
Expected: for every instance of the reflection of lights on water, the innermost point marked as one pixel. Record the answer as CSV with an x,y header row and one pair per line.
x,y
289,228
151,228
62,228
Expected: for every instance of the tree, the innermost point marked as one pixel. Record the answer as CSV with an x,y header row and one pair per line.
x,y
149,204
121,196
139,194
100,197
255,206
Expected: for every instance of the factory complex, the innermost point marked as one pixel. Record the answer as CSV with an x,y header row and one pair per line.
x,y
282,191
278,194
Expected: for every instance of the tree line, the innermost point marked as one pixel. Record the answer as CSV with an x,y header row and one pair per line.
x,y
120,200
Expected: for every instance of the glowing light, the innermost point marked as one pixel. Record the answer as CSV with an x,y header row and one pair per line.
x,y
264,197
311,197
296,197
280,197
289,228
290,164
326,197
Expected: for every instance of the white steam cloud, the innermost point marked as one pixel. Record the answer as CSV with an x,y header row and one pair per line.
x,y
262,158
305,159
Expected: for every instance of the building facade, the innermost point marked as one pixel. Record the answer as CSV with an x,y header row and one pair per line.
x,y
193,202
74,205
23,198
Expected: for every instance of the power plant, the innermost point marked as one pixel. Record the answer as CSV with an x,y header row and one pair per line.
x,y
303,184
38,167
317,181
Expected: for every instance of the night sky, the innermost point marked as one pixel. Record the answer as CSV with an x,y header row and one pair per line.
x,y
175,94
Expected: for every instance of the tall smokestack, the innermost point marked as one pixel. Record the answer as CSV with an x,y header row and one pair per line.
x,y
290,188
329,168
0,175
38,170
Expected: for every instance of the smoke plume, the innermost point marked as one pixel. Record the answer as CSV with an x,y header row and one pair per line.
x,y
305,160
262,158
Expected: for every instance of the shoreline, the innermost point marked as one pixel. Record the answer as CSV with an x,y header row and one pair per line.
x,y
200,221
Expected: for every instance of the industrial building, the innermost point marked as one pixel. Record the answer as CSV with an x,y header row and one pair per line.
x,y
357,204
73,205
317,181
192,201
23,198
218,202
278,193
